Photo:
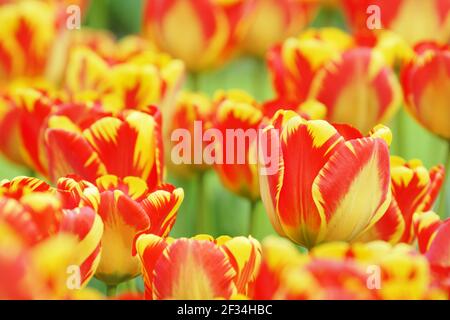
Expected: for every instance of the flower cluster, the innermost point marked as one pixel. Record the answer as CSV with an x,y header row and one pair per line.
x,y
94,121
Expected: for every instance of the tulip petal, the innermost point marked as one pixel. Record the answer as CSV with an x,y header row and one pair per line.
x,y
162,206
88,227
245,257
69,153
150,248
134,139
123,218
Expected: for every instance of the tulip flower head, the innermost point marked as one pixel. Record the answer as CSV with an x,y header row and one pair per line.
x,y
238,117
202,33
414,189
431,18
273,21
38,217
355,82
317,192
426,86
128,208
198,268
433,238
91,152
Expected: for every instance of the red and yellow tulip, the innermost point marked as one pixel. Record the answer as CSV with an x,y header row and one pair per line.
x,y
211,30
128,74
433,239
189,108
339,270
356,82
403,273
238,112
23,112
198,268
426,86
334,186
431,18
35,214
414,189
128,208
273,21
92,151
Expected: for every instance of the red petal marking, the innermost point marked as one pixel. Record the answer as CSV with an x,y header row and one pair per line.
x,y
70,153
391,226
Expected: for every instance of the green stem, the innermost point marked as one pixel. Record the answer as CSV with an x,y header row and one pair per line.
x,y
201,212
132,285
195,82
442,209
252,216
111,290
259,79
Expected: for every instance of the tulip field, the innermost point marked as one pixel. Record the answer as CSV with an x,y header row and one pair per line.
x,y
224,149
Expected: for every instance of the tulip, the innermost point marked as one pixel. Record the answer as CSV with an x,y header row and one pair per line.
x,y
236,110
425,84
273,21
414,189
333,187
210,30
125,74
92,151
433,239
338,270
325,280
34,212
392,272
128,74
431,18
277,255
128,208
198,268
23,111
189,108
355,82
